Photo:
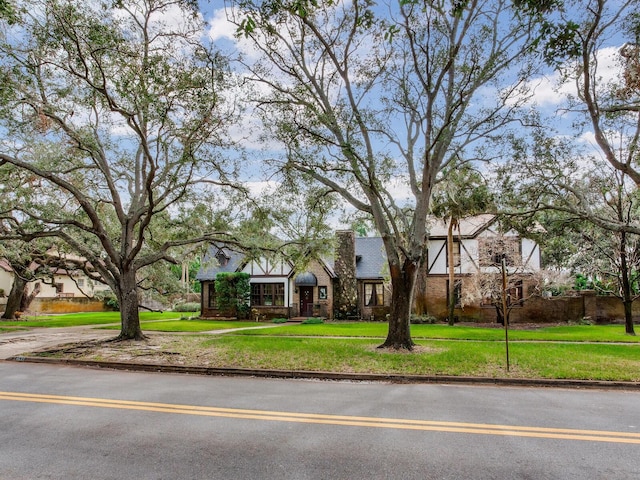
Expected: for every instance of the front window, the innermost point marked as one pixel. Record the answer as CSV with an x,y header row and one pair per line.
x,y
267,294
373,294
515,294
213,302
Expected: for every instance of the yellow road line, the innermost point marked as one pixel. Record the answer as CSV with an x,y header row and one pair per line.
x,y
342,420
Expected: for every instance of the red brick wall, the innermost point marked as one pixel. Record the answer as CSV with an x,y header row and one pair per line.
x,y
571,308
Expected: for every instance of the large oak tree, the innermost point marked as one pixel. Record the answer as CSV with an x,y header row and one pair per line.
x,y
371,99
116,111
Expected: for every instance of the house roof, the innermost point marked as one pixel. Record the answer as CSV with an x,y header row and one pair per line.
x,y
468,227
306,279
371,258
219,260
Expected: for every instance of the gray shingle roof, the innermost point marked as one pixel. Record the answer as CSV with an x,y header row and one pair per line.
x,y
371,259
211,266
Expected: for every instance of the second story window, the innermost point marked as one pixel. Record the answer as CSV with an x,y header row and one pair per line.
x,y
492,250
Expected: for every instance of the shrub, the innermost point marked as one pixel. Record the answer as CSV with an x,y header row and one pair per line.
x,y
312,321
108,298
423,319
585,321
233,291
186,307
280,320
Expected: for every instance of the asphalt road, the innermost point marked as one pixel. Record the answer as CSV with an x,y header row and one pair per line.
x,y
61,422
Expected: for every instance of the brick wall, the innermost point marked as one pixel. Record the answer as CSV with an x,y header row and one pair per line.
x,y
570,308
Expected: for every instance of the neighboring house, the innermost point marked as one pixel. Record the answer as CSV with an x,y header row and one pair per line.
x,y
355,283
478,248
60,284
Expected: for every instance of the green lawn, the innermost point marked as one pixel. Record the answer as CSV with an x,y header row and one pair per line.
x,y
189,325
482,359
572,333
565,352
89,318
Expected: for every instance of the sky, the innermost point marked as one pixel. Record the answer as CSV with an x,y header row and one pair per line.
x,y
550,91
549,96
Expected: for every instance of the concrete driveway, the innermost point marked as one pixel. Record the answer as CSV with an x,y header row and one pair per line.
x,y
16,343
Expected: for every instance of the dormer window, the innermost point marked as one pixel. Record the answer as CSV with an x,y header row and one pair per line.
x,y
222,258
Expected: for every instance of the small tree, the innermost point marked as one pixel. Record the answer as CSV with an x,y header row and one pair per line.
x,y
503,282
233,292
462,193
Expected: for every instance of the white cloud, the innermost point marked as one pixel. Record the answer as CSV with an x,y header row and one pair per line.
x,y
221,30
552,89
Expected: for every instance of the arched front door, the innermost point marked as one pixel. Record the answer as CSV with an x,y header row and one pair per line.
x,y
306,301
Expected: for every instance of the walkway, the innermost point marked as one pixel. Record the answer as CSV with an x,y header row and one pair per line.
x,y
26,341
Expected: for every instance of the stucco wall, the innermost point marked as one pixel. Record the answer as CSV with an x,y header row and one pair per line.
x,y
66,305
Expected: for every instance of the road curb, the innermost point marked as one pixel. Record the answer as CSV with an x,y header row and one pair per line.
x,y
354,377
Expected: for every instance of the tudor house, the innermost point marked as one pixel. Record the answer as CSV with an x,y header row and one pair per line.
x,y
354,283
351,285
478,248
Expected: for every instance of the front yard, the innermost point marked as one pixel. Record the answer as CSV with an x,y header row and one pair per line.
x,y
558,352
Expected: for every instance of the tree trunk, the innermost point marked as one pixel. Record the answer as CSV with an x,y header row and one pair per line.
x,y
628,317
403,281
451,267
15,298
129,315
627,296
27,298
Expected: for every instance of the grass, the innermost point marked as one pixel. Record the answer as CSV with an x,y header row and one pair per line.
x,y
583,361
89,318
188,325
572,333
570,361
585,352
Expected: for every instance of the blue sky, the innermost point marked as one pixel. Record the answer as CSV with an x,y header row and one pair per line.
x,y
550,92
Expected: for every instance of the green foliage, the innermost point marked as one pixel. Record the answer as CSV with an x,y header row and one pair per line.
x,y
279,320
109,299
193,266
187,307
463,192
312,321
7,12
233,291
346,312
562,42
601,287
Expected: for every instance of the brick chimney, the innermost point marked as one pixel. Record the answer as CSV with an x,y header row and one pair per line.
x,y
345,294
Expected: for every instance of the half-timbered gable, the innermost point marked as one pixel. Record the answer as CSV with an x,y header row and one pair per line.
x,y
478,248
